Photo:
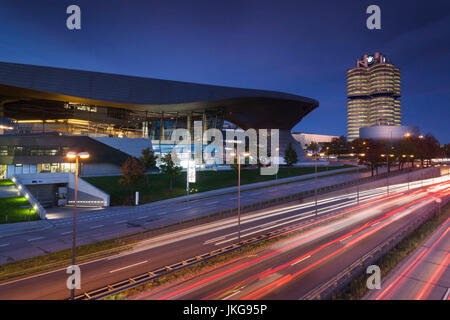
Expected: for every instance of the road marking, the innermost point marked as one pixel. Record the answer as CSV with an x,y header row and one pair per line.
x,y
447,294
67,232
144,217
4,244
121,221
346,238
96,227
215,239
293,264
235,293
376,223
209,203
181,209
130,266
268,224
38,238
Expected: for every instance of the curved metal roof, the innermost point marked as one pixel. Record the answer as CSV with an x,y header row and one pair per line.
x,y
246,107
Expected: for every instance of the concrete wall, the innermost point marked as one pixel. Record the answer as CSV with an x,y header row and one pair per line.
x,y
88,195
131,146
99,170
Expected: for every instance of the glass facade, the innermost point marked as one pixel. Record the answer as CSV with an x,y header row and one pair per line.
x,y
373,92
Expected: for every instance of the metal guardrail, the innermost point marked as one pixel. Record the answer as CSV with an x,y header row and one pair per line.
x,y
343,278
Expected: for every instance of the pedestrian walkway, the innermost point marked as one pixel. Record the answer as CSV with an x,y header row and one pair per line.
x,y
8,191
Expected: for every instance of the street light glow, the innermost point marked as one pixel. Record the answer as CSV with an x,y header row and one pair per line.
x,y
71,155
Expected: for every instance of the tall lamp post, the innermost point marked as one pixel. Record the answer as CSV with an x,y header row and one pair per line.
x,y
315,154
73,155
357,184
412,167
246,154
387,169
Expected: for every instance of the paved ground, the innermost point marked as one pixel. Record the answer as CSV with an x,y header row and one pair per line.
x,y
171,247
67,212
294,267
424,275
54,235
8,191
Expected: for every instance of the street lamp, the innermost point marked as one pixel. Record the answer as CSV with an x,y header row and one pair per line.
x,y
83,156
245,154
357,184
387,167
412,157
315,154
276,174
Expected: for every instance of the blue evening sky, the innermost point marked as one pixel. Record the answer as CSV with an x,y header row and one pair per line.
x,y
300,47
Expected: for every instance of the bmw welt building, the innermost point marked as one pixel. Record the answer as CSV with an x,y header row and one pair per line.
x,y
46,111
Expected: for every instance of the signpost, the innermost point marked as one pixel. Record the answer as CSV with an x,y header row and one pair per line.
x,y
190,176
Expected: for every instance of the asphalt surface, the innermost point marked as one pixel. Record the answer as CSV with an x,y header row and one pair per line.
x,y
175,246
294,267
424,275
115,222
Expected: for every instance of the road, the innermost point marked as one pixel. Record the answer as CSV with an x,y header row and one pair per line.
x,y
173,247
114,222
425,275
294,267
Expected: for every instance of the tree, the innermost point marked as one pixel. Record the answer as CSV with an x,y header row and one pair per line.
x,y
338,146
169,168
373,151
148,161
432,147
313,147
132,172
290,156
446,150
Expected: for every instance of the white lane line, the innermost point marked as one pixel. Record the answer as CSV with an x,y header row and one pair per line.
x,y
376,223
268,224
181,209
346,238
145,217
447,294
67,232
215,239
209,203
130,266
38,238
4,244
96,227
233,294
121,221
293,264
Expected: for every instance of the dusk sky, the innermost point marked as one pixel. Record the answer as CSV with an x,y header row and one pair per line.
x,y
299,47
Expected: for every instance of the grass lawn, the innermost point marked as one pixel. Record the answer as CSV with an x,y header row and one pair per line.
x,y
4,183
158,189
15,208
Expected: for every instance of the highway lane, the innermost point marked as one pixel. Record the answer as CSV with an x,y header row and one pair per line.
x,y
117,221
425,275
290,269
175,246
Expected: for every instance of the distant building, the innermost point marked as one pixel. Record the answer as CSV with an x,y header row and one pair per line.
x,y
306,138
387,133
373,92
